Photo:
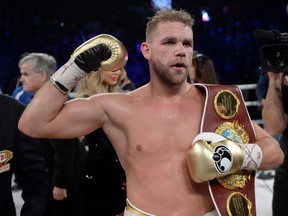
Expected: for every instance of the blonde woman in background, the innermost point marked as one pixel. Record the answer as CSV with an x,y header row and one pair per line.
x,y
95,83
103,179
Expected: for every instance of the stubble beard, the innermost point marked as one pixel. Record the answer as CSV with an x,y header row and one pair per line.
x,y
169,77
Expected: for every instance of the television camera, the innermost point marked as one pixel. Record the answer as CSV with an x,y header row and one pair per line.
x,y
274,56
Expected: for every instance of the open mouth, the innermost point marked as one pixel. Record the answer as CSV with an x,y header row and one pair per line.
x,y
179,65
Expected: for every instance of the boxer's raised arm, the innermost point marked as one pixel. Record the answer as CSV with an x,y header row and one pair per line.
x,y
49,116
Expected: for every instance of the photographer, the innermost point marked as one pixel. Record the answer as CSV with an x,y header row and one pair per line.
x,y
275,116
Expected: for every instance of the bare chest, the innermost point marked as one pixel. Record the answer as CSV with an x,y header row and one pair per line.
x,y
161,125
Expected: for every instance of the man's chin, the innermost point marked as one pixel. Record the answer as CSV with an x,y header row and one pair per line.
x,y
26,89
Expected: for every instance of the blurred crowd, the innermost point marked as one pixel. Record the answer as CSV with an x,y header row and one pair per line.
x,y
227,38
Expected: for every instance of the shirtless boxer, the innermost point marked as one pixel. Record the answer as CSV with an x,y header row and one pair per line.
x,y
151,128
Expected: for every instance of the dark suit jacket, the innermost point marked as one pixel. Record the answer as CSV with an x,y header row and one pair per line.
x,y
64,158
27,162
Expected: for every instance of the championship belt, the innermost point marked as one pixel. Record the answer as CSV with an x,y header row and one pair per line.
x,y
225,113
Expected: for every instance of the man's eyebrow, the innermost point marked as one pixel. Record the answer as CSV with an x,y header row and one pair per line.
x,y
190,41
187,40
168,38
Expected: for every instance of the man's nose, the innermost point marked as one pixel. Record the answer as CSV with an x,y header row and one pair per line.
x,y
180,50
21,79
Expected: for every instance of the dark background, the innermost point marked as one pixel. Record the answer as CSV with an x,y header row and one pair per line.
x,y
57,27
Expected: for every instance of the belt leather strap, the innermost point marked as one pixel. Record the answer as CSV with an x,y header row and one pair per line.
x,y
210,121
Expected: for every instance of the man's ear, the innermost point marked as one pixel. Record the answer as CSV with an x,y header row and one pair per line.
x,y
43,77
145,49
285,78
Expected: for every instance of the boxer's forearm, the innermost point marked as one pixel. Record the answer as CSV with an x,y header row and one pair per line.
x,y
273,113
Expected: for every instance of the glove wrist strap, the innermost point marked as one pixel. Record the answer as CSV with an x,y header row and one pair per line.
x,y
67,77
252,156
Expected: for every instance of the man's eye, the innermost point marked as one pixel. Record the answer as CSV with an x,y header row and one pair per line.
x,y
168,43
187,44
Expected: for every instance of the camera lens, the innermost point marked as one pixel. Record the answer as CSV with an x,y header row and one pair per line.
x,y
277,58
274,57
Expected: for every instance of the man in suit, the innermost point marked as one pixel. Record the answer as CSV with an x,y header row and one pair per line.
x,y
20,154
63,157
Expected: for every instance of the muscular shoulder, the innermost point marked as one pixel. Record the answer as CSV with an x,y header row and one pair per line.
x,y
110,103
110,98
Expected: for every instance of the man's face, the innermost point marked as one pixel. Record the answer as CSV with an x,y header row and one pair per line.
x,y
170,52
31,80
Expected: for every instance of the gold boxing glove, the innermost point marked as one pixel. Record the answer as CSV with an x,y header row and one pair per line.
x,y
101,52
212,156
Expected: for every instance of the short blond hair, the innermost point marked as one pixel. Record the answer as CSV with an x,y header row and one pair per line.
x,y
170,15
